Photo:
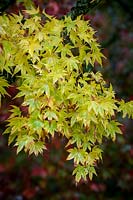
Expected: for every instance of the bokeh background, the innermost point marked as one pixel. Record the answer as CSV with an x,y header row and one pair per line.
x,y
48,176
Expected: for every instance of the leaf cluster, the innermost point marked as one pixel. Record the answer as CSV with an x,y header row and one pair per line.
x,y
60,98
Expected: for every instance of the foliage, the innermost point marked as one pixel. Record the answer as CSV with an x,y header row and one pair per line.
x,y
3,84
59,95
48,175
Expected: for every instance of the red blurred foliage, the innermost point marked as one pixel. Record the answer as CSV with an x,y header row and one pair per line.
x,y
8,101
2,168
39,171
52,8
97,187
29,193
12,90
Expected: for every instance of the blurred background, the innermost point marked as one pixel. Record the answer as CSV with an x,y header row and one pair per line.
x,y
48,176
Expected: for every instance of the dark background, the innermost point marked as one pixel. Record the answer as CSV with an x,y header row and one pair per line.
x,y
48,176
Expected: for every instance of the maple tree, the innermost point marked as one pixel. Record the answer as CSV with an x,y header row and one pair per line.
x,y
53,62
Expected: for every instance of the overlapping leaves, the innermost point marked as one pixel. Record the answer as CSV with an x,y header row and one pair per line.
x,y
58,96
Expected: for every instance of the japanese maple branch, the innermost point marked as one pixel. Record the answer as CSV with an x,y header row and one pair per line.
x,y
83,7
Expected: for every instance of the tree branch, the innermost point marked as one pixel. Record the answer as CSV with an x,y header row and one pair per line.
x,y
83,7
